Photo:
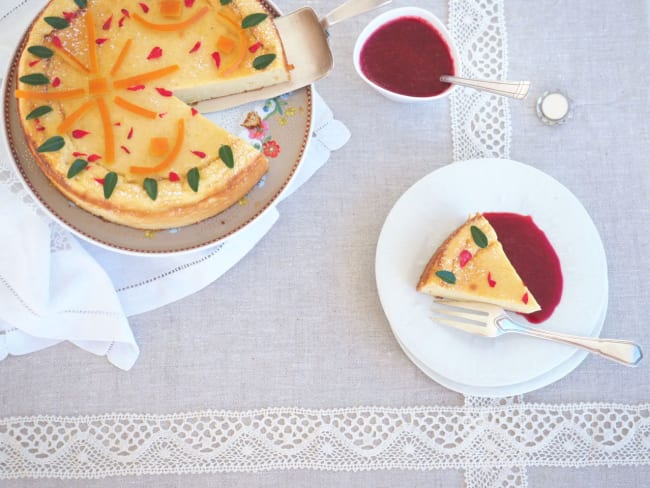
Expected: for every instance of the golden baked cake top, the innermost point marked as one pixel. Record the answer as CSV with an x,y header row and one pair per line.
x,y
103,85
471,265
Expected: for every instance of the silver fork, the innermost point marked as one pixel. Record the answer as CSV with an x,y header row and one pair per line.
x,y
492,321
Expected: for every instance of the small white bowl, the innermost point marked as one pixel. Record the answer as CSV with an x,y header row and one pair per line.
x,y
389,16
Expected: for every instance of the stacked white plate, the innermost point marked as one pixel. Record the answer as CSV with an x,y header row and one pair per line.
x,y
421,220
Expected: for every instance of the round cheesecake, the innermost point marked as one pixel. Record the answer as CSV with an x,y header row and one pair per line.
x,y
104,94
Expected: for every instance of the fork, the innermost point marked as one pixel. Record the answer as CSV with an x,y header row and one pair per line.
x,y
492,321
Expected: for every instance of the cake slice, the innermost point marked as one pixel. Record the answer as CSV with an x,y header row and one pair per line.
x,y
472,265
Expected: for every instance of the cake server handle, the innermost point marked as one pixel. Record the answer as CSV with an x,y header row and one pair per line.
x,y
349,9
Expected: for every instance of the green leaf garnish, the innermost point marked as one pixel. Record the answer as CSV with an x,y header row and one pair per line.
x,y
225,2
57,22
38,112
110,180
252,20
151,187
447,277
263,61
77,167
479,237
41,51
225,153
35,79
52,144
193,177
81,3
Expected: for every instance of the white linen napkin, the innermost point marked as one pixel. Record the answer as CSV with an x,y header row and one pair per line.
x,y
56,288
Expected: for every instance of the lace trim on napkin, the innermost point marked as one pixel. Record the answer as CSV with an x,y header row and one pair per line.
x,y
353,439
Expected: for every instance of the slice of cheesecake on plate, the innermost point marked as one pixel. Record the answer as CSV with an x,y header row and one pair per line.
x,y
472,265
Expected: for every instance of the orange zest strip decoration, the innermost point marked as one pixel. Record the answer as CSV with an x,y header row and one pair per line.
x,y
70,58
109,137
136,109
121,57
58,95
165,163
241,53
73,117
171,27
144,77
92,47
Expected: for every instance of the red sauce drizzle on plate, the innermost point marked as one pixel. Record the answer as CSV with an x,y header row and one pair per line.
x,y
534,258
407,56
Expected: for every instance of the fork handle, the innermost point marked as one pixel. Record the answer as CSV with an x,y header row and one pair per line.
x,y
624,352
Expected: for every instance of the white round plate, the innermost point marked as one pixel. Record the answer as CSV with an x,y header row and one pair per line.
x,y
420,221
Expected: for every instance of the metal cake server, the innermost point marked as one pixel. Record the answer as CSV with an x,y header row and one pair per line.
x,y
304,37
492,321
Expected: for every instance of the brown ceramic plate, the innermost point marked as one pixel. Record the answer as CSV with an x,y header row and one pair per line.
x,y
288,121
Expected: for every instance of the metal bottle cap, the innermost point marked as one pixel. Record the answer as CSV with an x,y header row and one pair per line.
x,y
554,107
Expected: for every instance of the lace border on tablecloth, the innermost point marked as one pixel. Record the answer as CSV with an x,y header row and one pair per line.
x,y
352,439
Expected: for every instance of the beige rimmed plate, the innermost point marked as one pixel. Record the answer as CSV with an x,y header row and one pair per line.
x,y
284,140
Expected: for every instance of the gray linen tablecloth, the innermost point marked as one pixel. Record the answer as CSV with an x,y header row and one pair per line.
x,y
298,321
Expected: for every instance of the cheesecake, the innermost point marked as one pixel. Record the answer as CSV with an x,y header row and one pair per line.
x,y
104,91
472,265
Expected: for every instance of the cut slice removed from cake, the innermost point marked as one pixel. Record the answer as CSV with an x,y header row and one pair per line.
x,y
472,265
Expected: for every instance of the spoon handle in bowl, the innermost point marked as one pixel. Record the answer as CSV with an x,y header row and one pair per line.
x,y
512,89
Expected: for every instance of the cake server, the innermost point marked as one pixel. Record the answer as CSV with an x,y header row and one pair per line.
x,y
492,321
305,40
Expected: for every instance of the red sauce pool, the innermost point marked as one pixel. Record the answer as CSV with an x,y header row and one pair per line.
x,y
534,258
407,56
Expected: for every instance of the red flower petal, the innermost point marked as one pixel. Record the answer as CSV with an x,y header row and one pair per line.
x,y
162,115
99,180
136,87
144,7
101,40
130,134
125,149
120,23
194,111
56,41
491,282
40,129
464,257
200,154
196,47
107,24
56,82
164,92
125,12
217,58
34,63
78,133
117,124
69,16
94,157
155,53
525,298
174,176
189,3
255,47
77,154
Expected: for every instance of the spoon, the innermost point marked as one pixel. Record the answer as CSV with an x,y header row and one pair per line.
x,y
512,89
305,40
